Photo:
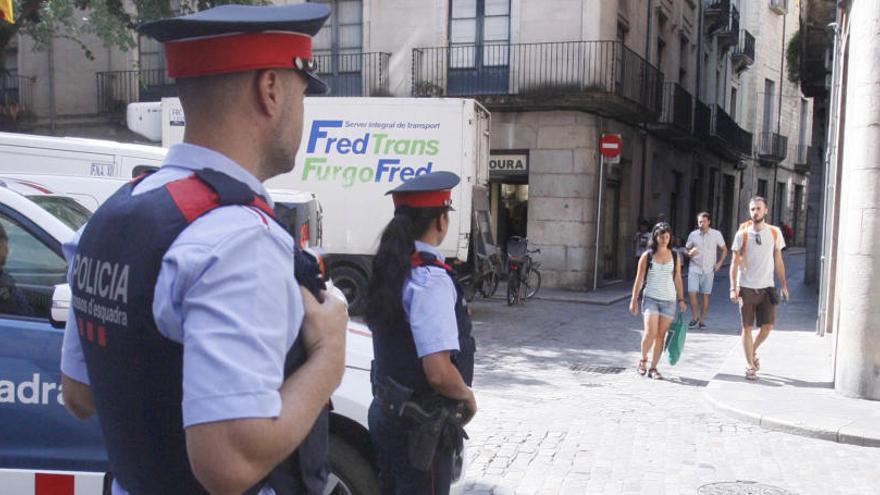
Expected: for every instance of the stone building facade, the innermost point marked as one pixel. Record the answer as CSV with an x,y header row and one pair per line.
x,y
678,80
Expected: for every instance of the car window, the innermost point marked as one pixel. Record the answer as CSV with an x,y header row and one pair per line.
x,y
29,271
68,210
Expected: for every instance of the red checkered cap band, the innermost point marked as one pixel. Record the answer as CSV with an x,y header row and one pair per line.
x,y
237,52
423,199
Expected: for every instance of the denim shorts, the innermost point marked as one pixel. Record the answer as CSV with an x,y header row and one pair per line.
x,y
700,282
651,306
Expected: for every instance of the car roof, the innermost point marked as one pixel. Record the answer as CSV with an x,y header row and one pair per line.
x,y
26,187
36,214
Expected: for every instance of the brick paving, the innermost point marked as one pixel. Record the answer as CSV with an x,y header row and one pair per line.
x,y
548,425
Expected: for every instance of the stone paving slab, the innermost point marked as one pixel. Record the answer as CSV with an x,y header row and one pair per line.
x,y
794,392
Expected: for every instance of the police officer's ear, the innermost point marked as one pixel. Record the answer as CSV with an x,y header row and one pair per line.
x,y
274,88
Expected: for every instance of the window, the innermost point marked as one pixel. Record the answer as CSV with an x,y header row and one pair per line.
x,y
762,188
29,271
733,103
779,202
683,61
66,209
661,45
621,32
342,33
769,90
802,125
479,26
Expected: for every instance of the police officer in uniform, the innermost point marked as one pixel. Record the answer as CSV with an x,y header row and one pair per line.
x,y
186,311
422,344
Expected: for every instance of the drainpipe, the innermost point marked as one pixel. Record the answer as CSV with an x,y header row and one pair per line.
x,y
52,112
642,128
778,221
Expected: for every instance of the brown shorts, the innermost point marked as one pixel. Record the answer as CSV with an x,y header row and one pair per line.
x,y
756,308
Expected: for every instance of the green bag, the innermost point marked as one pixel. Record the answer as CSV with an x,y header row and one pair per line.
x,y
675,337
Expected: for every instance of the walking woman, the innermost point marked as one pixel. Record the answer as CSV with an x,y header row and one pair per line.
x,y
659,281
424,352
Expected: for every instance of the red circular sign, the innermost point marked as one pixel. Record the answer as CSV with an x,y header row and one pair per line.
x,y
609,145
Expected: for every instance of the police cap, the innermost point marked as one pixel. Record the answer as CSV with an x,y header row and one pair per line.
x,y
237,38
433,190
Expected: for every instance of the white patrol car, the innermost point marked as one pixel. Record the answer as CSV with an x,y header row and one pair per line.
x,y
44,450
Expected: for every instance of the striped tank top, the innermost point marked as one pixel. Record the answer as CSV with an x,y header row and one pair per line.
x,y
659,283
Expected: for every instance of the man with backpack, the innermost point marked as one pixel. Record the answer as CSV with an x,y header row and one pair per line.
x,y
757,253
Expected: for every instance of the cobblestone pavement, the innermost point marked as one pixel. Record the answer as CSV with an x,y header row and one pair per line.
x,y
555,418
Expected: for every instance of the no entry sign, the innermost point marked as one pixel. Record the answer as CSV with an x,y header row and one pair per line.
x,y
609,145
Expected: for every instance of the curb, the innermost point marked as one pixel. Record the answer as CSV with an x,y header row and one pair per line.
x,y
606,302
799,428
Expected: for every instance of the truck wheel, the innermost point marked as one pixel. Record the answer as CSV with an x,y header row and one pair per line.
x,y
350,473
353,283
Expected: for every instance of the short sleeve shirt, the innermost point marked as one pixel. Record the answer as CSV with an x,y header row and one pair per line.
x,y
707,244
429,297
226,291
757,266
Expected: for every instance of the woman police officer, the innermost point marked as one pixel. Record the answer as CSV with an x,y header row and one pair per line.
x,y
422,345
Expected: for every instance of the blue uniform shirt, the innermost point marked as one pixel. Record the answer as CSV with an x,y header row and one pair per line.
x,y
226,290
429,302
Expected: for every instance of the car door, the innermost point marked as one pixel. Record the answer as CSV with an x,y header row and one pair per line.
x,y
36,432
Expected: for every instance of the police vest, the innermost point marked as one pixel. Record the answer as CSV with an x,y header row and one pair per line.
x,y
395,350
136,373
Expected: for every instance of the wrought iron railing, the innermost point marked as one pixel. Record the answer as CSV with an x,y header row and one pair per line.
x,y
538,70
726,17
16,91
116,89
678,107
355,74
726,129
773,147
746,46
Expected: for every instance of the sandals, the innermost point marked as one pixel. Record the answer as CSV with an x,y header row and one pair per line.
x,y
751,374
641,367
654,374
757,364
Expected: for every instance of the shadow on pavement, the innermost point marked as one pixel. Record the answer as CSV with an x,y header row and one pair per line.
x,y
768,380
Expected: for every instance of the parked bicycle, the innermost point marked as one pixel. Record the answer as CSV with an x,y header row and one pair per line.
x,y
523,279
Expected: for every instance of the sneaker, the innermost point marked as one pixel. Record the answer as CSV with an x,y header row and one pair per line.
x,y
702,326
693,323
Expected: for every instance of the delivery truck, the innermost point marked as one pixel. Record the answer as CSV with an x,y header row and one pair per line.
x,y
353,151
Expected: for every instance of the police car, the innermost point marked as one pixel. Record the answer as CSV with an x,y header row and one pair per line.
x,y
43,449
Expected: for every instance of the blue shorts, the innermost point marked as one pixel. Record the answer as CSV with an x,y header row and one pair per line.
x,y
700,282
651,306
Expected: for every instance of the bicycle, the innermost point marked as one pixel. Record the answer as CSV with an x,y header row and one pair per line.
x,y
524,279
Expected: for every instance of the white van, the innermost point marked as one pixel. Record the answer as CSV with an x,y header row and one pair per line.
x,y
91,170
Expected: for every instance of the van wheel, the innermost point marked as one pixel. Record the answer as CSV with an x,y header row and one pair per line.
x,y
350,473
353,283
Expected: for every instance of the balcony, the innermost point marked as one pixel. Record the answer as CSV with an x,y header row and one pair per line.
x,y
802,162
677,115
603,77
722,21
355,74
726,137
118,88
779,6
744,53
16,90
16,99
772,148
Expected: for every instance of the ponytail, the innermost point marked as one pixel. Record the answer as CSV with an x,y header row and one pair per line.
x,y
391,265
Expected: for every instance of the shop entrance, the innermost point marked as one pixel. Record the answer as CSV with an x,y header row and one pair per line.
x,y
509,194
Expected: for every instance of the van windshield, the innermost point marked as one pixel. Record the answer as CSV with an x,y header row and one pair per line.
x,y
73,214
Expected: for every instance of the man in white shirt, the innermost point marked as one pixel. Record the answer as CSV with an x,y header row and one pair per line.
x,y
702,248
757,251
